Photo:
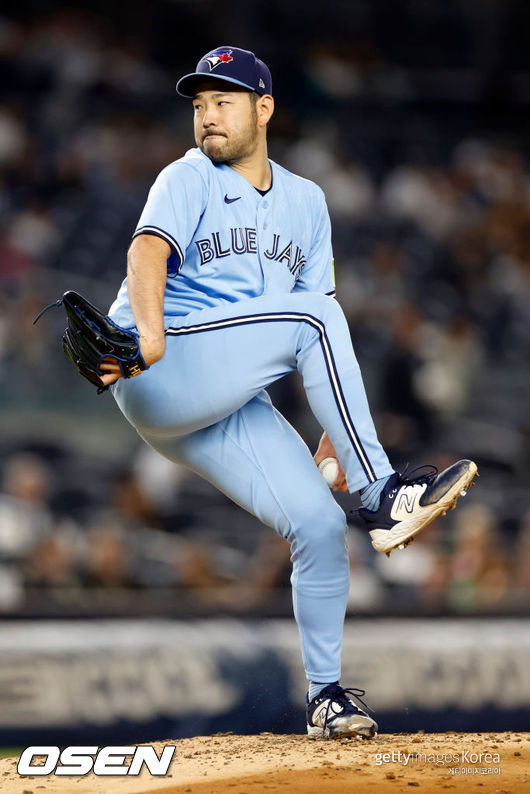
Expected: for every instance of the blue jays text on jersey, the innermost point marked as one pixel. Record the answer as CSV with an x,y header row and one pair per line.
x,y
243,241
229,241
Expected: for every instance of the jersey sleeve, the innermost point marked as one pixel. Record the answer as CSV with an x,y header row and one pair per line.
x,y
173,209
318,273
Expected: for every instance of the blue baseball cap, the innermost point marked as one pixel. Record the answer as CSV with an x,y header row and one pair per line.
x,y
232,65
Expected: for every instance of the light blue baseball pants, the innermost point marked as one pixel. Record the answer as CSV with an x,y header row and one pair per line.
x,y
204,406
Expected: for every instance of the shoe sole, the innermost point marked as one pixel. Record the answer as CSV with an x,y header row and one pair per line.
x,y
368,732
386,540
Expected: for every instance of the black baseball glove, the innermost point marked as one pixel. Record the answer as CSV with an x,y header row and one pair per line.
x,y
91,336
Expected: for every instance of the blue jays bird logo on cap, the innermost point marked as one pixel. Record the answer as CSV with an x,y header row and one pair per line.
x,y
217,57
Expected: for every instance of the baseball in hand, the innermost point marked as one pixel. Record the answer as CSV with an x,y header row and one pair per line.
x,y
329,469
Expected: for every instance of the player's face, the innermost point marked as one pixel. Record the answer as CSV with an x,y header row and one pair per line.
x,y
225,123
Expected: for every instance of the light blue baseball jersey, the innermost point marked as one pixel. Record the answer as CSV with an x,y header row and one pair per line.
x,y
246,303
229,242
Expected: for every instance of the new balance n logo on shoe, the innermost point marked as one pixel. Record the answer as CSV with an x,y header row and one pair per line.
x,y
406,501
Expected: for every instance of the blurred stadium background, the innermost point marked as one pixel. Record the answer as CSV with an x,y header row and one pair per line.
x,y
136,601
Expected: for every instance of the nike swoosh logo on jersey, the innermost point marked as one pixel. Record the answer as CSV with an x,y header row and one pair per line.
x,y
229,200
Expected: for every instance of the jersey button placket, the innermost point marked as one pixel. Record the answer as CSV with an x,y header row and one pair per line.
x,y
262,225
262,207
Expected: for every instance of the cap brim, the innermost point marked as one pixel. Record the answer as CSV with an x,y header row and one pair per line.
x,y
187,84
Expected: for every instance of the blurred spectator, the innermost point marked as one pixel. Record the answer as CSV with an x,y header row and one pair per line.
x,y
434,589
24,521
108,559
24,513
13,137
521,568
367,590
132,503
406,419
479,569
56,560
350,192
33,235
162,480
406,575
427,196
452,361
267,571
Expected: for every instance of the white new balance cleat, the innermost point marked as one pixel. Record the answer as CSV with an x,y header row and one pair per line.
x,y
409,503
336,712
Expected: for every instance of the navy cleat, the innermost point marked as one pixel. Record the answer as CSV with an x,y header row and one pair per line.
x,y
409,503
336,712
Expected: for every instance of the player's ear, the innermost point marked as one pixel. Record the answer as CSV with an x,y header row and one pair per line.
x,y
265,109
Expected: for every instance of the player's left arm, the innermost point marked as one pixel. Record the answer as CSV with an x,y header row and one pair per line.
x,y
318,272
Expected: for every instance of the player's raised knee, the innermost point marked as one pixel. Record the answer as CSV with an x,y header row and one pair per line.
x,y
324,309
316,303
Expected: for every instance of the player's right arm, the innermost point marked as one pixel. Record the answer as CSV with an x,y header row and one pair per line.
x,y
146,282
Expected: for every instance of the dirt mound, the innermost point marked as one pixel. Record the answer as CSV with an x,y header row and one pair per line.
x,y
226,764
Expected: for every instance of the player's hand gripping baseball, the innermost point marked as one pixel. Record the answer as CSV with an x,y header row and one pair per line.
x,y
152,350
327,450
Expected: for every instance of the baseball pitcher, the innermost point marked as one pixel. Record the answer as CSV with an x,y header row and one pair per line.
x,y
229,287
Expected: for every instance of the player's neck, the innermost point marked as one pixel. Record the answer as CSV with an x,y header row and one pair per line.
x,y
256,169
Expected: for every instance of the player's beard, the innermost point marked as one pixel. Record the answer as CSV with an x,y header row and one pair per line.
x,y
235,146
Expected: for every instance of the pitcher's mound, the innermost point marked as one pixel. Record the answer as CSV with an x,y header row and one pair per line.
x,y
226,764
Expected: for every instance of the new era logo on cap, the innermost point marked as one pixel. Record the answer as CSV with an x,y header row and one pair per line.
x,y
232,65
